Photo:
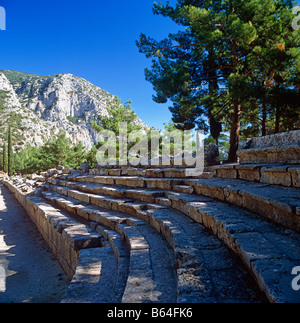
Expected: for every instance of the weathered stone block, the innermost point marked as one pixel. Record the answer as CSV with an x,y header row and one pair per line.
x,y
83,212
282,148
83,197
163,184
225,171
163,201
174,173
81,237
195,211
105,218
210,191
183,189
232,196
130,182
71,207
295,175
84,168
154,173
134,238
248,172
116,204
111,191
103,180
71,185
143,195
87,178
158,184
130,208
276,176
132,172
114,172
101,201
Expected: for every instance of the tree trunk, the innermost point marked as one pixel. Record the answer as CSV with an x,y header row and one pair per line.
x,y
264,119
264,112
235,133
277,121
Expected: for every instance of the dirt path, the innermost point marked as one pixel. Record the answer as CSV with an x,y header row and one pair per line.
x,y
29,273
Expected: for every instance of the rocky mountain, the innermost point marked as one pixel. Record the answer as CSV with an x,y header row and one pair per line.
x,y
38,107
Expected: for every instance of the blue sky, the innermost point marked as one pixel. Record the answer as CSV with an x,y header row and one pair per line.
x,y
94,39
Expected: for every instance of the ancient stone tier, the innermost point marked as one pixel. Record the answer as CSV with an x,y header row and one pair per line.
x,y
135,235
282,148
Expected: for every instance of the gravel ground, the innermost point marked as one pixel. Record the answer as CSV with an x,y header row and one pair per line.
x,y
29,273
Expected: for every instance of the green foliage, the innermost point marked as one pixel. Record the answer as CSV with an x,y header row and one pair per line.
x,y
3,96
58,151
16,77
5,159
10,154
223,145
118,113
231,57
75,120
173,140
1,160
91,157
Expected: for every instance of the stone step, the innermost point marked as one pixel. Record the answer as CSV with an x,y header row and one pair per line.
x,y
279,204
149,172
145,274
193,260
280,148
117,268
77,234
269,251
122,256
207,272
95,278
93,261
245,233
285,175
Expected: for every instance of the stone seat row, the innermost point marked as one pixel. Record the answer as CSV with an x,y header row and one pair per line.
x,y
285,175
188,240
279,204
260,244
131,250
80,250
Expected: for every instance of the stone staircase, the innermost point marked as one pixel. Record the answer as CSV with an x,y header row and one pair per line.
x,y
155,235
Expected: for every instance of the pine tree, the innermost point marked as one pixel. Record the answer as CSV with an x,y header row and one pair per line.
x,y
5,159
10,153
212,69
57,151
118,113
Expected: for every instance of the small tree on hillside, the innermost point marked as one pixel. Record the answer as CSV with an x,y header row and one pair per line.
x,y
118,113
10,153
5,161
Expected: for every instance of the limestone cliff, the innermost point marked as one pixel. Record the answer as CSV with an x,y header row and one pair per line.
x,y
40,106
